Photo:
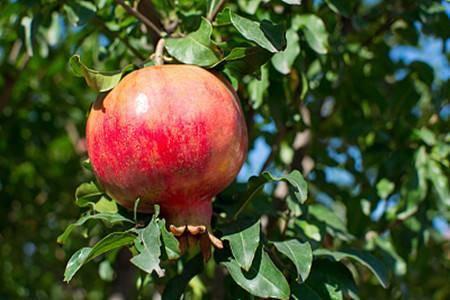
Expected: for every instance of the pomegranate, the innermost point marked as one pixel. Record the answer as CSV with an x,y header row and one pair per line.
x,y
172,135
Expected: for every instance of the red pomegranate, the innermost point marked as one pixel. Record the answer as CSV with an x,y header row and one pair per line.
x,y
172,135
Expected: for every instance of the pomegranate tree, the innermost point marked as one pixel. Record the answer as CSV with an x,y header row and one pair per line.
x,y
172,135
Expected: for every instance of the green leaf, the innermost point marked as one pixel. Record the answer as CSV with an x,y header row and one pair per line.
x,y
27,23
150,249
314,30
343,7
293,2
244,244
97,80
106,271
440,182
262,280
299,253
334,224
385,188
328,280
243,61
86,193
163,7
76,262
414,190
295,180
87,164
71,15
258,88
254,55
373,264
110,218
304,292
249,6
170,242
84,255
265,34
390,256
177,285
283,61
310,230
79,12
195,48
104,205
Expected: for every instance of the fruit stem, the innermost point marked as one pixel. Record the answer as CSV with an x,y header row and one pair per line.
x,y
159,51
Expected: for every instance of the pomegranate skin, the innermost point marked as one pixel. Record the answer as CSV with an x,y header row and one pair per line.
x,y
172,135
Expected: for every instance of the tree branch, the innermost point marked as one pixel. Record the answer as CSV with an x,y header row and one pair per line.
x,y
216,10
159,53
141,17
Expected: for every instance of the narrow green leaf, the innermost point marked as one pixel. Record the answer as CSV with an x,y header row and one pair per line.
x,y
97,80
75,262
314,30
343,7
262,280
71,15
80,12
195,48
150,249
244,244
170,242
265,34
84,255
110,218
293,2
27,23
299,253
373,264
283,61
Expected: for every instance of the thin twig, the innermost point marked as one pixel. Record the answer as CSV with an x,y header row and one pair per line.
x,y
383,28
275,145
246,202
141,17
159,53
216,10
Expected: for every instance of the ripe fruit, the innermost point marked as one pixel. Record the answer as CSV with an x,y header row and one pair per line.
x,y
172,135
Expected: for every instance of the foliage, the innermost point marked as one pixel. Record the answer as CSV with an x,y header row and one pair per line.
x,y
351,195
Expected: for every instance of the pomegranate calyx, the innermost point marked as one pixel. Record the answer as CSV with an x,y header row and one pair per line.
x,y
190,235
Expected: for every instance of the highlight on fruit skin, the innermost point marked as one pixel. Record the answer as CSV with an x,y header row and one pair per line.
x,y
172,135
